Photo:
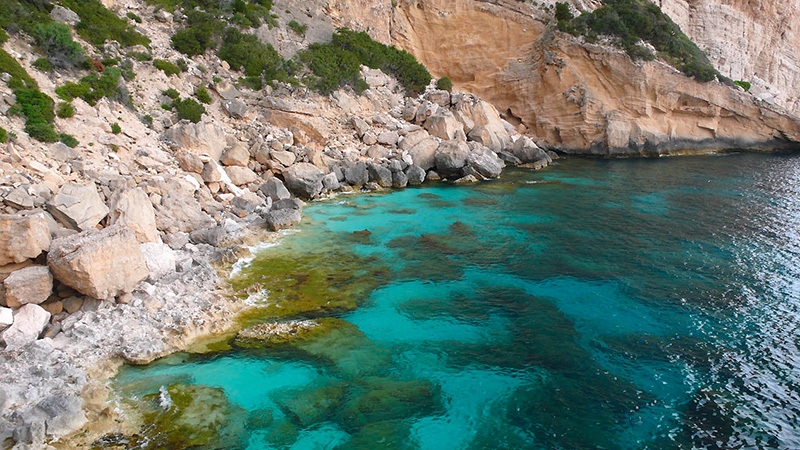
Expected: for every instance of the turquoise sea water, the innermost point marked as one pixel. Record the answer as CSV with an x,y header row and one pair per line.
x,y
595,304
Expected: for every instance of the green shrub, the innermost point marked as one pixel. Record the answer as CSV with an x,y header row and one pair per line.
x,y
743,84
182,64
562,12
19,77
201,93
69,90
65,110
140,56
256,59
34,105
126,68
134,17
92,88
68,140
3,135
338,63
3,36
201,30
444,84
43,64
55,39
43,132
171,93
630,21
167,67
16,15
115,128
189,109
98,24
297,28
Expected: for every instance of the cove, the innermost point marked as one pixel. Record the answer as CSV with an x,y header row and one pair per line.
x,y
597,304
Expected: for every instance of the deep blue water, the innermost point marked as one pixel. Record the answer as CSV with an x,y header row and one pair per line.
x,y
596,304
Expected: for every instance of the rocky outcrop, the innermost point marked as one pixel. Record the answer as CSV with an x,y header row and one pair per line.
x,y
101,264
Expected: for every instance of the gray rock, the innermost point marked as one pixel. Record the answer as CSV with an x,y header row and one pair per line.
x,y
176,241
159,258
63,414
360,125
64,15
399,179
132,208
304,180
288,203
380,175
163,16
467,179
20,198
433,176
6,319
528,152
180,211
485,162
274,189
440,97
62,152
212,172
22,237
356,174
29,322
282,218
247,202
378,152
213,236
388,138
189,162
204,138
509,158
235,108
415,174
236,155
99,263
28,285
226,90
330,182
413,138
77,206
450,158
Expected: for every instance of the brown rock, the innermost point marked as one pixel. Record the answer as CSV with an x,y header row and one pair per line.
x,y
238,155
132,208
32,284
99,263
22,237
77,206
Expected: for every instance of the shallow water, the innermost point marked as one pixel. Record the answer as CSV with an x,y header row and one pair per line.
x,y
595,304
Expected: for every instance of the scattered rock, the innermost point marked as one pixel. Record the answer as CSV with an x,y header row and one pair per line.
x,y
274,189
443,125
99,263
423,153
237,155
78,207
20,198
304,180
29,285
388,138
64,15
241,176
283,157
380,175
415,174
451,157
29,322
62,152
485,162
132,208
356,174
63,414
189,162
22,237
235,108
204,138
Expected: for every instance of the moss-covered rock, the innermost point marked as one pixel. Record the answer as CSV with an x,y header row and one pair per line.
x,y
307,407
375,400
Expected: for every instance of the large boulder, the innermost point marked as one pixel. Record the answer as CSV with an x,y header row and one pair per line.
x,y
483,123
451,157
485,161
179,211
237,155
304,180
286,158
29,322
529,153
99,263
132,208
77,206
443,125
274,189
423,153
415,174
63,414
28,285
204,138
380,174
413,138
356,174
22,237
282,218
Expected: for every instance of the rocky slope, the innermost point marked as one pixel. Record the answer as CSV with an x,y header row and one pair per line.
x,y
592,98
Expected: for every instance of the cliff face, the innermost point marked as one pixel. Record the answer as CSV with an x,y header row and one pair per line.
x,y
580,97
747,40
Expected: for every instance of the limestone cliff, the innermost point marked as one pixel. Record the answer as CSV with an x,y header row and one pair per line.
x,y
579,97
748,40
